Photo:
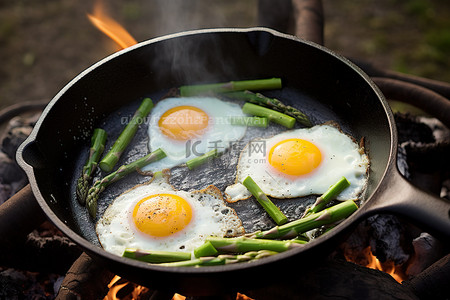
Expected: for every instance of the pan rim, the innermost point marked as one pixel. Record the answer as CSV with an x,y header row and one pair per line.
x,y
98,251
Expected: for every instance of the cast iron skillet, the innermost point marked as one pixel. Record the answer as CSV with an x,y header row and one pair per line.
x,y
323,83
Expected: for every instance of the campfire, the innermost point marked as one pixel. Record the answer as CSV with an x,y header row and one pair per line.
x,y
382,243
110,27
373,262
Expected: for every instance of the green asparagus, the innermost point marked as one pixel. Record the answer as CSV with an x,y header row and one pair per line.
x,y
98,141
274,212
292,229
272,115
100,185
206,249
272,103
156,256
222,259
112,157
257,84
329,195
244,244
249,121
197,161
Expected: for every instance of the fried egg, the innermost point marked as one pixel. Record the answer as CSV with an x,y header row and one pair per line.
x,y
186,128
301,162
155,216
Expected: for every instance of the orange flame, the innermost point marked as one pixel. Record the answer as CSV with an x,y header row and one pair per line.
x,y
388,267
110,27
116,285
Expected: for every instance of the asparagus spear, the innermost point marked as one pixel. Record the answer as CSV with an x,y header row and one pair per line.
x,y
244,244
257,84
100,185
222,259
329,195
272,115
98,140
195,162
111,158
249,121
156,256
273,103
273,211
206,249
292,229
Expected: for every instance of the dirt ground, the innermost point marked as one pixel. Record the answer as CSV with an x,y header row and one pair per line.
x,y
44,44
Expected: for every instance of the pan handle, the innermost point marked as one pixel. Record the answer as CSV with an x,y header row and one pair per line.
x,y
19,215
399,197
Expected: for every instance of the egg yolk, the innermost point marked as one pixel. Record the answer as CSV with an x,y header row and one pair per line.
x,y
295,157
183,122
161,215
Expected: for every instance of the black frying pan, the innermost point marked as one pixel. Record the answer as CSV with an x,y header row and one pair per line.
x,y
322,83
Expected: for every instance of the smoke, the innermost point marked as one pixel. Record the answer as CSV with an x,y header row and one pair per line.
x,y
170,16
197,59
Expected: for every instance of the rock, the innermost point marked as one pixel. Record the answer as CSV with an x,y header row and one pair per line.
x,y
18,129
10,172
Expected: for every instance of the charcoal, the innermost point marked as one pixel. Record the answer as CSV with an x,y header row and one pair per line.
x,y
10,171
52,254
410,129
17,284
385,234
334,279
433,282
18,129
427,250
445,190
386,242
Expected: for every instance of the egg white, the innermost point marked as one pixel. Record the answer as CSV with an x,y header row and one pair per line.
x,y
341,157
219,134
210,217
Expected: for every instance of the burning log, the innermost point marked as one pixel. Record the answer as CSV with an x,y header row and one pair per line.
x,y
47,254
335,279
426,251
90,279
86,279
433,282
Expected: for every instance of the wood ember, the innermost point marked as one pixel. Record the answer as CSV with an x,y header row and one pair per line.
x,y
86,279
423,159
433,283
445,190
12,177
427,250
47,254
18,284
384,234
334,279
18,129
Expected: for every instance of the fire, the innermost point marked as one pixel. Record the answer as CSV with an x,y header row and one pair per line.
x,y
110,27
135,291
388,267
